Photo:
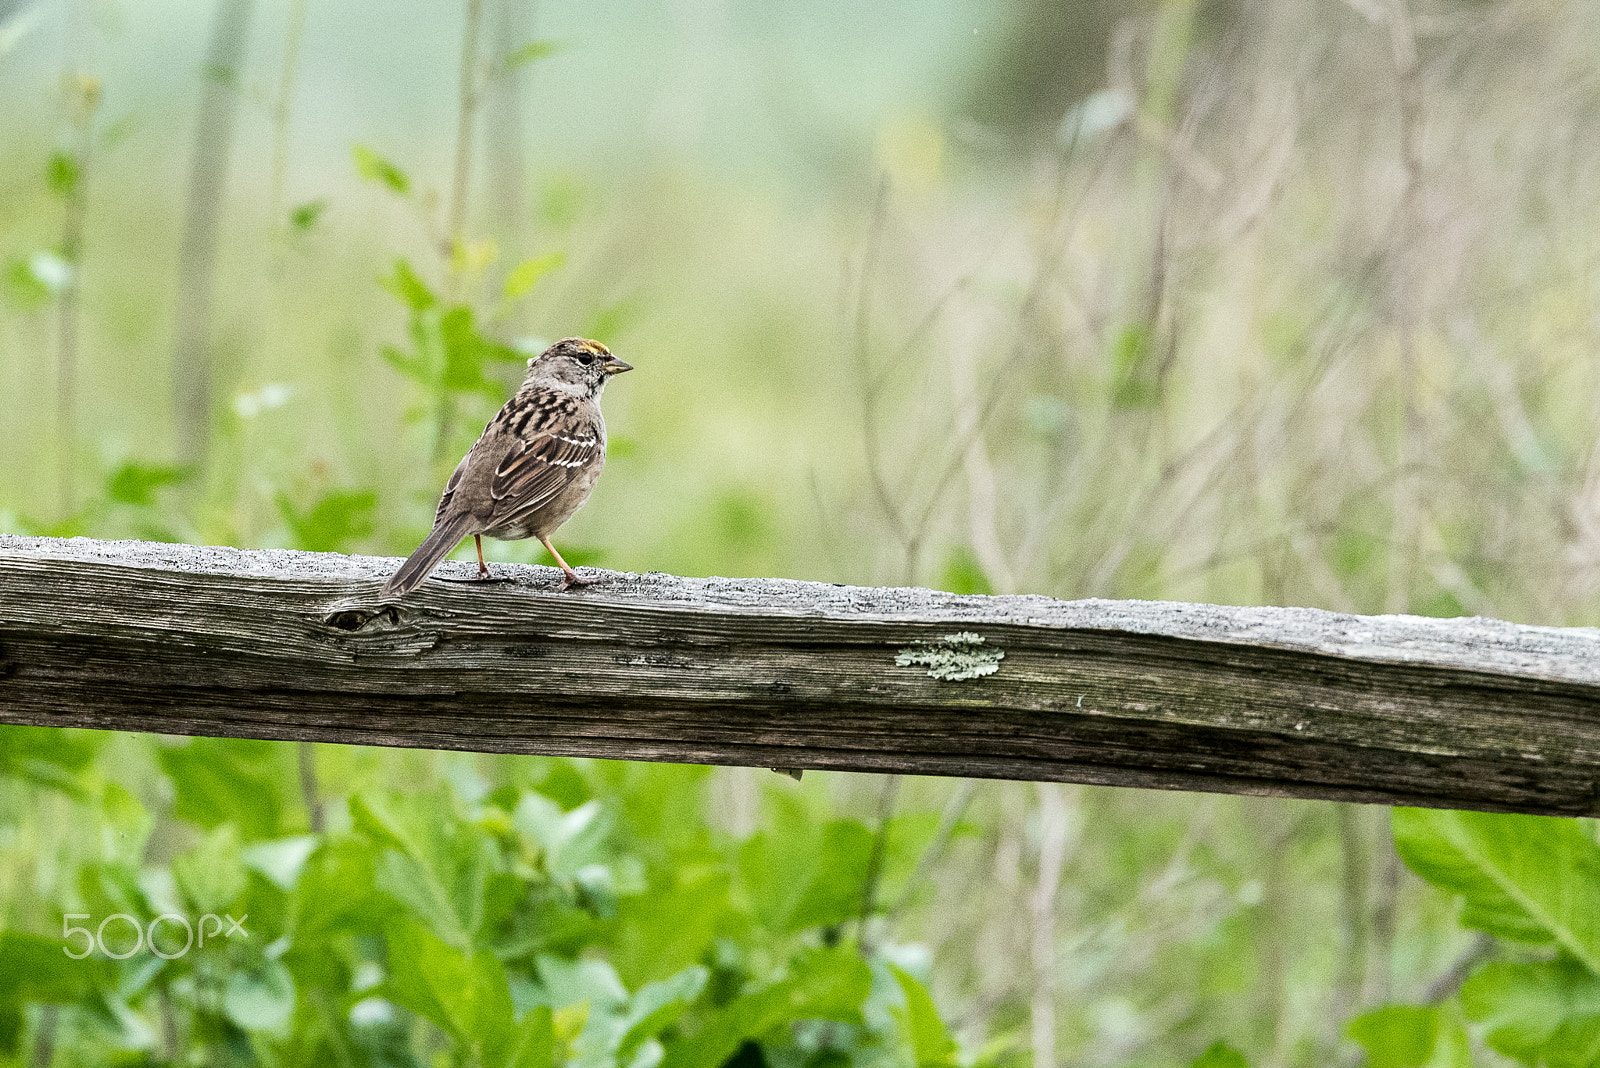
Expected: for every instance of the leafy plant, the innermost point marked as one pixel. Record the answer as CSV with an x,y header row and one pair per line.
x,y
1533,882
522,926
452,346
334,521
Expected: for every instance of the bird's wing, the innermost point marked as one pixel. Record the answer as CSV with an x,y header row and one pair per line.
x,y
544,461
450,489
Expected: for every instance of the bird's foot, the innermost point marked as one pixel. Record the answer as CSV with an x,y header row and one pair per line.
x,y
572,579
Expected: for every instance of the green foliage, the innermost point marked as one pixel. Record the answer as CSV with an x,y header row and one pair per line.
x,y
64,174
211,874
21,285
525,275
304,217
1132,368
231,781
523,926
926,1034
450,355
1541,1012
49,756
963,573
1220,1055
819,984
463,991
801,874
130,500
1398,1036
333,522
531,52
137,484
380,171
1533,881
1529,878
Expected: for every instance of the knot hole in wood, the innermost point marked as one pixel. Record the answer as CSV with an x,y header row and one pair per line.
x,y
386,617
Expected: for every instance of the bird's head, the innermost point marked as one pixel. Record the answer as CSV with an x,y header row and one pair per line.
x,y
576,366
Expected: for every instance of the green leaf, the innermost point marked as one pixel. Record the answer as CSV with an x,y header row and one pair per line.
x,y
63,173
1397,1036
1531,878
231,780
211,873
136,483
37,969
304,217
49,756
963,573
22,286
281,860
375,168
466,994
437,866
531,52
532,1043
564,981
260,999
337,519
1543,1012
527,274
404,362
1132,363
1220,1055
336,892
822,984
660,932
127,823
463,349
798,877
565,841
405,283
656,1007
467,351
925,1032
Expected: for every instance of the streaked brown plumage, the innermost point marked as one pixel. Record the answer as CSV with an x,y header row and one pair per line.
x,y
533,467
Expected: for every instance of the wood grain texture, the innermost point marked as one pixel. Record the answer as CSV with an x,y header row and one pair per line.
x,y
1289,702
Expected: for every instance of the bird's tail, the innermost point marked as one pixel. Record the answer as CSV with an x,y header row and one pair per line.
x,y
445,537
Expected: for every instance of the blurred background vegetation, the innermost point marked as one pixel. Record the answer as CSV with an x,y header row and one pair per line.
x,y
1250,301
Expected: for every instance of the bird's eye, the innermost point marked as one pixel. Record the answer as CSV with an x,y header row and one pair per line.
x,y
586,358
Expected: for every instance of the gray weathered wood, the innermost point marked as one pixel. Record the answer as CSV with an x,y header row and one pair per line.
x,y
1290,702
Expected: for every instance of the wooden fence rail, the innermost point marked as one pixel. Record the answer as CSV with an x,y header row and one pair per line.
x,y
1287,702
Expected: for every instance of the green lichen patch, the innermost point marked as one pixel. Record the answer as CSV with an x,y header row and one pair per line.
x,y
953,658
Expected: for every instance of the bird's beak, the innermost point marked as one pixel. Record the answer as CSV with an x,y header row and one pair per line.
x,y
614,366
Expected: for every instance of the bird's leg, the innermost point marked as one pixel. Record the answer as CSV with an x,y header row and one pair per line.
x,y
572,578
483,568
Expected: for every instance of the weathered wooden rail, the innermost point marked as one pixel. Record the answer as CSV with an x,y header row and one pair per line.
x,y
1290,702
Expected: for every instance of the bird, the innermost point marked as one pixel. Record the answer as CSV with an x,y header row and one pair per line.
x,y
533,467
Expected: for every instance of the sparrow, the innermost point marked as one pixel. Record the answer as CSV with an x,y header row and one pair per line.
x,y
533,467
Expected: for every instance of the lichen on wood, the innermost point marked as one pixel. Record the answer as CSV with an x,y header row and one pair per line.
x,y
953,657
